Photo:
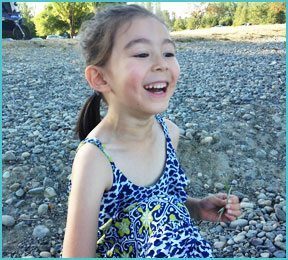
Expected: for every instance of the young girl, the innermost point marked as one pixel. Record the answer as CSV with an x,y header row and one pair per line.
x,y
128,194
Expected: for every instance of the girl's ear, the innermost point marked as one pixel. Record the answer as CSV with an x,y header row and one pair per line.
x,y
95,79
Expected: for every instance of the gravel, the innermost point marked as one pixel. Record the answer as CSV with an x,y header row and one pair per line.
x,y
229,104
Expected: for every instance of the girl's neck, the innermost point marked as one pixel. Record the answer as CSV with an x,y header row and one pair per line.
x,y
128,128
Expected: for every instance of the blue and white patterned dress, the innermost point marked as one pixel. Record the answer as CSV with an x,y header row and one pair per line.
x,y
140,222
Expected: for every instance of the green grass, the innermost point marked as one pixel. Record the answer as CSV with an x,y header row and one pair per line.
x,y
222,210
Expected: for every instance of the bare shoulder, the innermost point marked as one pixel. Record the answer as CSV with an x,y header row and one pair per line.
x,y
93,165
174,132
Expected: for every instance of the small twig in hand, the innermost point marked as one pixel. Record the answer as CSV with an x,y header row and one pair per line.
x,y
222,210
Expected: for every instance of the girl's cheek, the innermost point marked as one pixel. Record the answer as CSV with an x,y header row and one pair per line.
x,y
177,71
134,76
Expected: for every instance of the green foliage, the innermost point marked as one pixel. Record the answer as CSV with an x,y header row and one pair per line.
x,y
260,13
241,14
48,22
209,21
194,21
26,13
63,17
179,24
231,13
276,13
226,21
218,14
167,20
173,19
72,14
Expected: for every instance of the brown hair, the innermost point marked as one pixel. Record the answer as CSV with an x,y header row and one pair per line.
x,y
96,42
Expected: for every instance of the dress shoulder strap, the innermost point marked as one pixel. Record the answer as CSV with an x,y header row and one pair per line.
x,y
161,121
96,142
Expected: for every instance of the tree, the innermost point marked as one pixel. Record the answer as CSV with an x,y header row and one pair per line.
x,y
226,21
218,13
63,17
195,20
47,22
179,24
191,23
71,13
276,13
167,20
60,18
26,13
241,14
173,18
258,13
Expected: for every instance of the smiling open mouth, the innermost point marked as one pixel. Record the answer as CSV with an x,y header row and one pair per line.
x,y
157,87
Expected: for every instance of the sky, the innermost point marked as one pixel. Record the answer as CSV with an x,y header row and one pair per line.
x,y
180,8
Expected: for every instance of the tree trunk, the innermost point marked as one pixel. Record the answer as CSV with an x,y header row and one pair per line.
x,y
72,22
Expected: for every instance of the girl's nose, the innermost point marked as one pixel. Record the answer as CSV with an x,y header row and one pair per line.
x,y
160,64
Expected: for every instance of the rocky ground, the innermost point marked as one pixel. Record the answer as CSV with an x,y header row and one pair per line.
x,y
230,106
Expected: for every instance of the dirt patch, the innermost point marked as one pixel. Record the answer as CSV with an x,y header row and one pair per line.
x,y
234,33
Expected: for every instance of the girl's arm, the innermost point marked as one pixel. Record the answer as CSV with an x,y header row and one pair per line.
x,y
208,207
193,207
90,178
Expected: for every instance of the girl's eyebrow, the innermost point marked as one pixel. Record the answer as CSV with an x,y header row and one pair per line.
x,y
169,41
146,41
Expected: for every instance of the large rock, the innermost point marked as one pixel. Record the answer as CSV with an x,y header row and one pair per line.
x,y
280,214
50,193
9,156
42,209
41,231
239,223
8,221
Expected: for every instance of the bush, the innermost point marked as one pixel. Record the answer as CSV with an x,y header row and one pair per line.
x,y
179,24
209,21
226,21
192,23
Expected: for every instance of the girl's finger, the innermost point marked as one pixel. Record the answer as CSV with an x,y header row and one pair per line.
x,y
235,213
233,206
230,217
221,195
233,199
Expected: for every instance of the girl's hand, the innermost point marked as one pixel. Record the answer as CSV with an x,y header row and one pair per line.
x,y
210,205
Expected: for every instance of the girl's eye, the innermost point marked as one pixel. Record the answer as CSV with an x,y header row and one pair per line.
x,y
169,54
141,55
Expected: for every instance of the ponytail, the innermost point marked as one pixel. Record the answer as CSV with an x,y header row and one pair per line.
x,y
89,116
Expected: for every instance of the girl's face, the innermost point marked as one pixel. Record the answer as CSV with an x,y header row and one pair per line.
x,y
142,71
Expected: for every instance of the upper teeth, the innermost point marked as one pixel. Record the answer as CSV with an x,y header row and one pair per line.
x,y
158,85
